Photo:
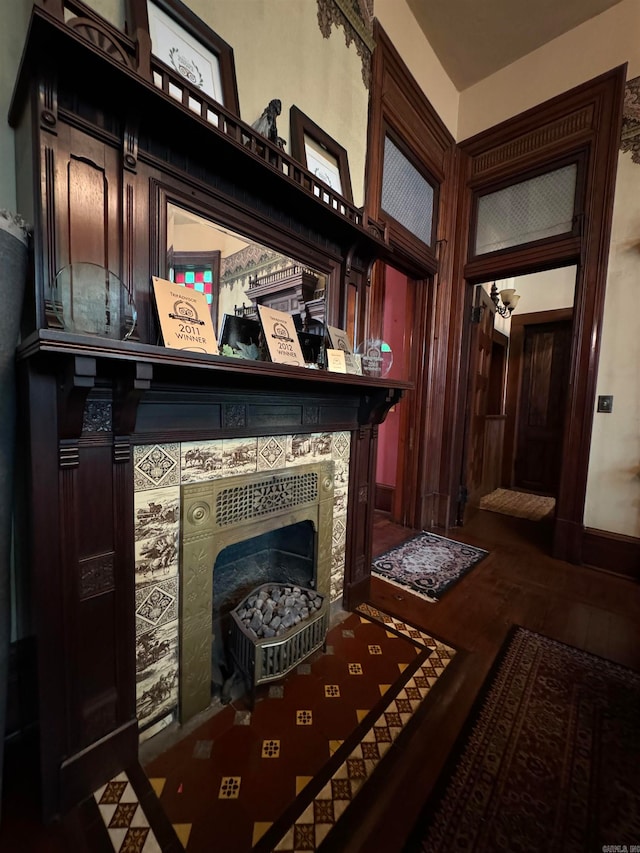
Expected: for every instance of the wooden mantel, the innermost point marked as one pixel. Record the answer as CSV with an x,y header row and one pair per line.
x,y
84,404
102,152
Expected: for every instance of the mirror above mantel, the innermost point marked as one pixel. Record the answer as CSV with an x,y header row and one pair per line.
x,y
237,274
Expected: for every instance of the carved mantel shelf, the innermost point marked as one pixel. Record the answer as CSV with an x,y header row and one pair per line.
x,y
156,376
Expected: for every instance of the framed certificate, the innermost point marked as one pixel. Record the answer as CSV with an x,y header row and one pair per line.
x,y
185,44
319,153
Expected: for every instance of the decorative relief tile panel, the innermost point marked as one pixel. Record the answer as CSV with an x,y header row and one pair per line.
x,y
97,416
157,532
96,575
234,415
156,465
310,415
201,461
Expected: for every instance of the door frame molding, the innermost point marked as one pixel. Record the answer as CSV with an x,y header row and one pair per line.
x,y
519,322
585,122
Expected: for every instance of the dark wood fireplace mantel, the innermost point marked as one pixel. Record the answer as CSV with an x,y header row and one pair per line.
x,y
102,151
85,403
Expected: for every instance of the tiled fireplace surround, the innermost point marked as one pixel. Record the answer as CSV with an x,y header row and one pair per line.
x,y
160,470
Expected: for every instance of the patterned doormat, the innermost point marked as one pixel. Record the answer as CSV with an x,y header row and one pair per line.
x,y
427,565
519,504
548,760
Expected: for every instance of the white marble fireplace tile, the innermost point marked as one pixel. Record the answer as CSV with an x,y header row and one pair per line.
x,y
201,461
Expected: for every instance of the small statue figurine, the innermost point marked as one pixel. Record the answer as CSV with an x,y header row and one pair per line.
x,y
266,124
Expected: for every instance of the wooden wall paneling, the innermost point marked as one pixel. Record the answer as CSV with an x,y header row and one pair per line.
x,y
361,506
42,519
612,552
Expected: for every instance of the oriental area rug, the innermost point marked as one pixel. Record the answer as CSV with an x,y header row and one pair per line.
x,y
518,504
427,565
548,761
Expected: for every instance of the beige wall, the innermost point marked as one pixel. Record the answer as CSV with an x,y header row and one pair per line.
x,y
613,489
280,53
602,43
542,291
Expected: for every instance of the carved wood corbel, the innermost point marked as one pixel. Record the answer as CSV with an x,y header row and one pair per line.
x,y
375,406
77,379
130,388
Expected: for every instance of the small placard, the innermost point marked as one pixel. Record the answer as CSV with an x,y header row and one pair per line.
x,y
336,362
280,334
184,316
339,339
353,363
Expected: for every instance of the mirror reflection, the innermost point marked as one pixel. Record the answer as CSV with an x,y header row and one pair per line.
x,y
237,274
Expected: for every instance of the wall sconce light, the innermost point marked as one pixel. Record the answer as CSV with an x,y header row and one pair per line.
x,y
509,299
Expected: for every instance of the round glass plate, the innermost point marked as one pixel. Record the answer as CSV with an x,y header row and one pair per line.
x,y
91,300
376,358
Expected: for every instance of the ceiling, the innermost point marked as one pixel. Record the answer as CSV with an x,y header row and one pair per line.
x,y
475,38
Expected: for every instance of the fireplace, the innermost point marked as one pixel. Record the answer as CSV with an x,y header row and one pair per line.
x,y
234,511
213,520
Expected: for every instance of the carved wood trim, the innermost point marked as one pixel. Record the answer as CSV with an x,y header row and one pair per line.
x,y
355,17
96,575
561,131
74,385
100,37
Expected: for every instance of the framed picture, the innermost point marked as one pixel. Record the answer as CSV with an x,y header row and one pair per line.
x,y
319,153
190,48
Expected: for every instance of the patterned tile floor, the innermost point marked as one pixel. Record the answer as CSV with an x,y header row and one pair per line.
x,y
279,777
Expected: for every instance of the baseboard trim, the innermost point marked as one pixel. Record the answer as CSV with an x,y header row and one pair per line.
x,y
612,552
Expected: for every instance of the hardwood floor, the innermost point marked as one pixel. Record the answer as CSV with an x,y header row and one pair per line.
x,y
518,583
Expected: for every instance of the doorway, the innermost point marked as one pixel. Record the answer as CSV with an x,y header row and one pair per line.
x,y
517,394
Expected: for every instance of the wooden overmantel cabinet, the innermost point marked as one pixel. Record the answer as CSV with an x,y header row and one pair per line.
x,y
101,151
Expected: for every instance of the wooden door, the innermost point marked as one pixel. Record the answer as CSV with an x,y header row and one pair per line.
x,y
543,394
481,346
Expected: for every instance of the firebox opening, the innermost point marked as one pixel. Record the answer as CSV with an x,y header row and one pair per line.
x,y
286,555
